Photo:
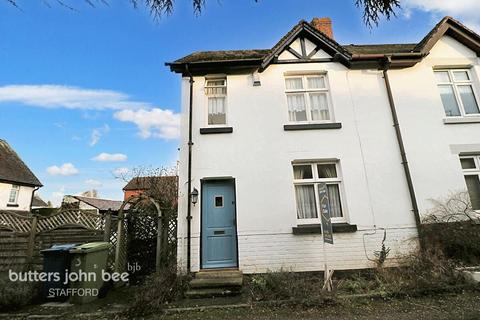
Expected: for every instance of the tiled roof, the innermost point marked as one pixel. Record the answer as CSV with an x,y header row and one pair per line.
x,y
38,202
227,55
13,169
379,48
259,54
352,49
144,183
439,30
101,204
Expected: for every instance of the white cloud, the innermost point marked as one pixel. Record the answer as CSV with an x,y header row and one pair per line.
x,y
61,125
66,169
463,10
58,96
93,183
110,157
97,134
95,137
155,123
57,196
118,172
151,121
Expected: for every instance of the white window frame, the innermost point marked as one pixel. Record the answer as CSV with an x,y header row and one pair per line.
x,y
15,188
207,96
455,83
472,172
306,91
316,181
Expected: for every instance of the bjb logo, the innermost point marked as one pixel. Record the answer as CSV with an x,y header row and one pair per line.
x,y
132,268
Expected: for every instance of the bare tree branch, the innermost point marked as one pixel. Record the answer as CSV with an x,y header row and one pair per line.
x,y
160,184
373,10
63,4
456,207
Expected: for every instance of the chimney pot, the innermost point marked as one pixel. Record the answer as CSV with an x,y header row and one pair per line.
x,y
324,25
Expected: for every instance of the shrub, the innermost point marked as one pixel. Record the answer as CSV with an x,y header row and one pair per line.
x,y
157,291
427,271
284,285
420,272
14,295
452,229
459,241
358,283
417,273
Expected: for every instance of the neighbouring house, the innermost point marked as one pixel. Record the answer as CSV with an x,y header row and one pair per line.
x,y
89,203
17,182
383,127
139,185
38,203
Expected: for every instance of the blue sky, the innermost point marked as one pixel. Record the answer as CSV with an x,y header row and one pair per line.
x,y
85,93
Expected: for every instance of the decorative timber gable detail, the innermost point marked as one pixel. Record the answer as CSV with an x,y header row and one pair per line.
x,y
303,44
303,49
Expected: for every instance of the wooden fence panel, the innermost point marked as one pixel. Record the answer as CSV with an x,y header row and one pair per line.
x,y
20,245
18,253
13,250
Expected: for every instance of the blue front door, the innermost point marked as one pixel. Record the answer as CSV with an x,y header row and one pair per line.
x,y
219,233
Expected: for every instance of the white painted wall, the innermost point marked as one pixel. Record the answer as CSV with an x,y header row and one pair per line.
x,y
24,197
258,154
431,145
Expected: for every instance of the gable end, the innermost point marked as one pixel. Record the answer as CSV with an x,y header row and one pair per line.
x,y
304,43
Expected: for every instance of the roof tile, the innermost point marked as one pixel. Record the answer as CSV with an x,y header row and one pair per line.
x,y
13,169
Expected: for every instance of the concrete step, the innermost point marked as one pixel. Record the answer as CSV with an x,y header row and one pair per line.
x,y
211,293
227,282
213,274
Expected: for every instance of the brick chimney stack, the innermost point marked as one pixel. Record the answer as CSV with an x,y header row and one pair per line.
x,y
323,25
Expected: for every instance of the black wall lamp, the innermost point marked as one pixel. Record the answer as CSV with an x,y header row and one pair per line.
x,y
194,196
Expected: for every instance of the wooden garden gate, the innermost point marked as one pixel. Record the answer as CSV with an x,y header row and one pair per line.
x,y
145,237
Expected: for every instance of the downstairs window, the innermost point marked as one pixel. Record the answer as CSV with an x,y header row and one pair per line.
x,y
471,172
307,178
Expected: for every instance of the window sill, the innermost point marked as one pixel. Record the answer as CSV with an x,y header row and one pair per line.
x,y
12,205
215,130
317,229
312,126
461,120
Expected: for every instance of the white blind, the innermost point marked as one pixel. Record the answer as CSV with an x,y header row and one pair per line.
x,y
216,110
294,83
319,106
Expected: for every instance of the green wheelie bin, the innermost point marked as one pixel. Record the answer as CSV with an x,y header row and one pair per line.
x,y
87,263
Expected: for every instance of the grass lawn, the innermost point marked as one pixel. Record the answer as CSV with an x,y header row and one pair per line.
x,y
452,306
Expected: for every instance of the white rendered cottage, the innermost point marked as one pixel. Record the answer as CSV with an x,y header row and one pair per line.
x,y
386,127
17,182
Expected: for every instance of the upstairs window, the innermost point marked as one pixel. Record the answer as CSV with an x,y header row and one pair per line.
x,y
308,98
13,197
471,172
216,92
307,178
457,92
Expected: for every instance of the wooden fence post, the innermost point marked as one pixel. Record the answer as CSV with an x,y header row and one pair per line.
x,y
31,240
158,258
119,263
108,226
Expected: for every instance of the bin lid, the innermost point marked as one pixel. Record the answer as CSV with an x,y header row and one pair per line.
x,y
91,247
60,247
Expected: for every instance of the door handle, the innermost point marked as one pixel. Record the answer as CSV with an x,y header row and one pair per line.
x,y
218,232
